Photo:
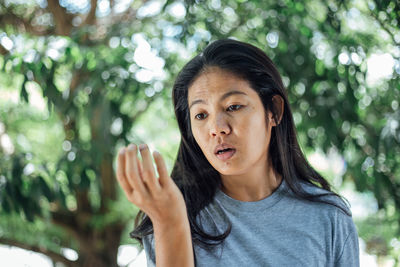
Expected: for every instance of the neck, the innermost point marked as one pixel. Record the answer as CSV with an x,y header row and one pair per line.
x,y
253,185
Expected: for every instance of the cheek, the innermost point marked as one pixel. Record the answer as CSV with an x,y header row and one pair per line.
x,y
256,128
252,125
198,135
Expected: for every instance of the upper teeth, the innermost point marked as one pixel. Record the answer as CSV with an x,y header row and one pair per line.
x,y
223,150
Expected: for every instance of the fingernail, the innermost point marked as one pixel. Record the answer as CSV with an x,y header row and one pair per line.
x,y
131,147
122,151
142,146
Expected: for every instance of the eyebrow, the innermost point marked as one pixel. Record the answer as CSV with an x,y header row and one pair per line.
x,y
226,95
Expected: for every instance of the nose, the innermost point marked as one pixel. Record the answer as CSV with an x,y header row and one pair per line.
x,y
219,126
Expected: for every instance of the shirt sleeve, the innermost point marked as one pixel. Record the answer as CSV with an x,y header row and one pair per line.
x,y
148,245
349,255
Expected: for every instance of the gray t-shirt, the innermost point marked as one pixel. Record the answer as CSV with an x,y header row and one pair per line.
x,y
280,230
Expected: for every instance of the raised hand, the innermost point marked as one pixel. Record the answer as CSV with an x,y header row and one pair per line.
x,y
159,197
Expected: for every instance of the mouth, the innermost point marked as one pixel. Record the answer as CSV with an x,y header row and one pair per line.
x,y
225,154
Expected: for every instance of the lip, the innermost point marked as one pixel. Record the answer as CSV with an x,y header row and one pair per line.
x,y
227,155
222,146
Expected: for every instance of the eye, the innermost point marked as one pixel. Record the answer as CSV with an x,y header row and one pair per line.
x,y
234,107
200,116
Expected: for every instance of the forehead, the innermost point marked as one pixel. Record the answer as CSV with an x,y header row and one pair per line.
x,y
214,82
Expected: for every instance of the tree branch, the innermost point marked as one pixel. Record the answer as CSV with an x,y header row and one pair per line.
x,y
53,255
108,181
91,17
382,24
384,27
3,50
76,80
62,19
69,223
65,220
9,18
112,7
127,15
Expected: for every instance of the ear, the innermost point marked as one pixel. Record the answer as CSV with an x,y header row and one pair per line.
x,y
278,103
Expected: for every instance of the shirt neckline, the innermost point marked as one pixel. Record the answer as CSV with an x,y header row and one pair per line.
x,y
235,205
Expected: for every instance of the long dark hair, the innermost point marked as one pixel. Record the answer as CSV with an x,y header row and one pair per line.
x,y
194,175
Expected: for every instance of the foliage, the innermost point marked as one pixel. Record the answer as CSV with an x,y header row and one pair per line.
x,y
101,94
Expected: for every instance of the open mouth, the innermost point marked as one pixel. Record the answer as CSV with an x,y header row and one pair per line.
x,y
225,154
224,150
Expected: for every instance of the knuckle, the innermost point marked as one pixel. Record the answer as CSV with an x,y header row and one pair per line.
x,y
129,195
129,174
133,200
147,174
158,197
127,187
139,200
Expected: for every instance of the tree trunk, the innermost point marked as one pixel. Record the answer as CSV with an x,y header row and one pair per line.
x,y
100,249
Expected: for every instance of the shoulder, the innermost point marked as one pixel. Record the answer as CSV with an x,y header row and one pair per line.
x,y
334,214
334,203
336,210
324,208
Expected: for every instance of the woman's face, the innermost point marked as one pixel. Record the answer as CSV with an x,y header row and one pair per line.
x,y
228,122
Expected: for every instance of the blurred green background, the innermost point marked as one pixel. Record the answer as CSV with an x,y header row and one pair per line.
x,y
79,79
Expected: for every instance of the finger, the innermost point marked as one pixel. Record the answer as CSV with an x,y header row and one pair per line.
x,y
139,165
148,172
140,170
131,169
161,168
121,173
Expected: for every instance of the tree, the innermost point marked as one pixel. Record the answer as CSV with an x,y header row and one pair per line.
x,y
87,65
96,87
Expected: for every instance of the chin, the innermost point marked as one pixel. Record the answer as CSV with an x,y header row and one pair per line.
x,y
228,170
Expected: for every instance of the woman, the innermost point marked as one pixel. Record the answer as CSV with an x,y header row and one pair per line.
x,y
242,192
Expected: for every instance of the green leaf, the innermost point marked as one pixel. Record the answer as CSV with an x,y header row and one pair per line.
x,y
24,94
45,189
